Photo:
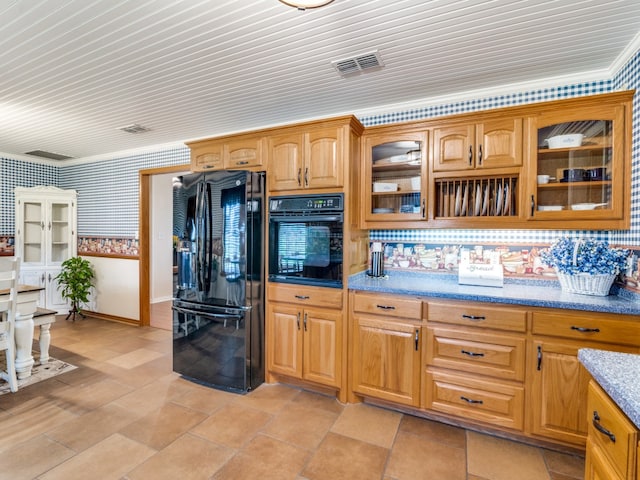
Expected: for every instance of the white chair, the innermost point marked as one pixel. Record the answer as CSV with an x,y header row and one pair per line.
x,y
9,270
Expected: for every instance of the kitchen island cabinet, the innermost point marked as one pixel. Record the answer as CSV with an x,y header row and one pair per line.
x,y
614,415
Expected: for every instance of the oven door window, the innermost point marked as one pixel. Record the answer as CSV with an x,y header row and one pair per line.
x,y
306,252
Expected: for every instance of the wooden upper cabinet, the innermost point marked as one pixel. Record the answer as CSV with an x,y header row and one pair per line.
x,y
244,152
306,160
323,159
285,166
492,143
237,152
207,156
582,154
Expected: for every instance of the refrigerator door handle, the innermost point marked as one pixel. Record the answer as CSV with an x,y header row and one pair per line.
x,y
206,314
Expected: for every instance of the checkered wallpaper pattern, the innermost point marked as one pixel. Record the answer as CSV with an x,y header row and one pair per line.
x,y
17,173
108,190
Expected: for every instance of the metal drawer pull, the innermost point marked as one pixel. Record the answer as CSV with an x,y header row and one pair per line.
x,y
302,297
471,400
474,317
585,329
386,307
600,428
471,354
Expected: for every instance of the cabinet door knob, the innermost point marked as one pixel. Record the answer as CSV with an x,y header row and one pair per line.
x,y
306,176
298,320
300,177
479,154
470,155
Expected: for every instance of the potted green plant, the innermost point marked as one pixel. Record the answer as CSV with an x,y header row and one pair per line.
x,y
74,282
585,265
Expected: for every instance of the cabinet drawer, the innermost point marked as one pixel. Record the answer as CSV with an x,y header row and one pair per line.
x,y
612,432
586,327
390,306
500,356
478,314
317,296
488,401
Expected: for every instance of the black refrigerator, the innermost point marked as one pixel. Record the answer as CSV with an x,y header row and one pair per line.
x,y
218,294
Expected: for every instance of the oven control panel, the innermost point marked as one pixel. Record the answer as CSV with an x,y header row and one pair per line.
x,y
307,203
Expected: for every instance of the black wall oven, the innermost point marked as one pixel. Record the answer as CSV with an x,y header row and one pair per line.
x,y
306,239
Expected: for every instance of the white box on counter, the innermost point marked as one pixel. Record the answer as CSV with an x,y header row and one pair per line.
x,y
481,274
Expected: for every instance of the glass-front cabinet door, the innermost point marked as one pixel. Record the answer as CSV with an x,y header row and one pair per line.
x,y
394,180
579,166
33,231
61,234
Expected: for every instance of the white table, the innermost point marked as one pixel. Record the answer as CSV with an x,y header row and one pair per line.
x,y
28,297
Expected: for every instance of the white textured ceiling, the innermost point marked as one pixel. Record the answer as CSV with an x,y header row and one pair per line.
x,y
73,71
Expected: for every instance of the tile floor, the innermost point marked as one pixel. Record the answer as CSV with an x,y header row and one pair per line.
x,y
124,415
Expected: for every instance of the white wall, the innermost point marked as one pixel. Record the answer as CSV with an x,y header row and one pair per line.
x,y
161,241
117,290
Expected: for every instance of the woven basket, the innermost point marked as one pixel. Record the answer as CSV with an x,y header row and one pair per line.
x,y
586,283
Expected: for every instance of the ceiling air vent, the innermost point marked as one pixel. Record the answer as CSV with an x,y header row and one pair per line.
x,y
49,155
359,63
134,128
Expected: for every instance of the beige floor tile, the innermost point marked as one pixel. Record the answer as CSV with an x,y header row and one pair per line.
x,y
153,395
205,399
434,431
110,459
268,397
264,458
499,459
561,463
88,429
340,457
25,463
29,424
319,401
188,458
84,398
302,425
161,427
135,358
415,457
369,424
232,425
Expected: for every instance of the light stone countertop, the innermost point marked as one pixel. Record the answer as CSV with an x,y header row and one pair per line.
x,y
535,293
618,374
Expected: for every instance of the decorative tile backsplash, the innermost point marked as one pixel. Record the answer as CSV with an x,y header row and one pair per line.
x,y
517,260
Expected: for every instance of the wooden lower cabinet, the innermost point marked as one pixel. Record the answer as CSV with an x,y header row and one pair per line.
x,y
507,367
386,347
305,341
386,359
612,442
557,382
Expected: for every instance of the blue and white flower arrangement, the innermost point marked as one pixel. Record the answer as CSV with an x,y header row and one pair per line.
x,y
585,255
